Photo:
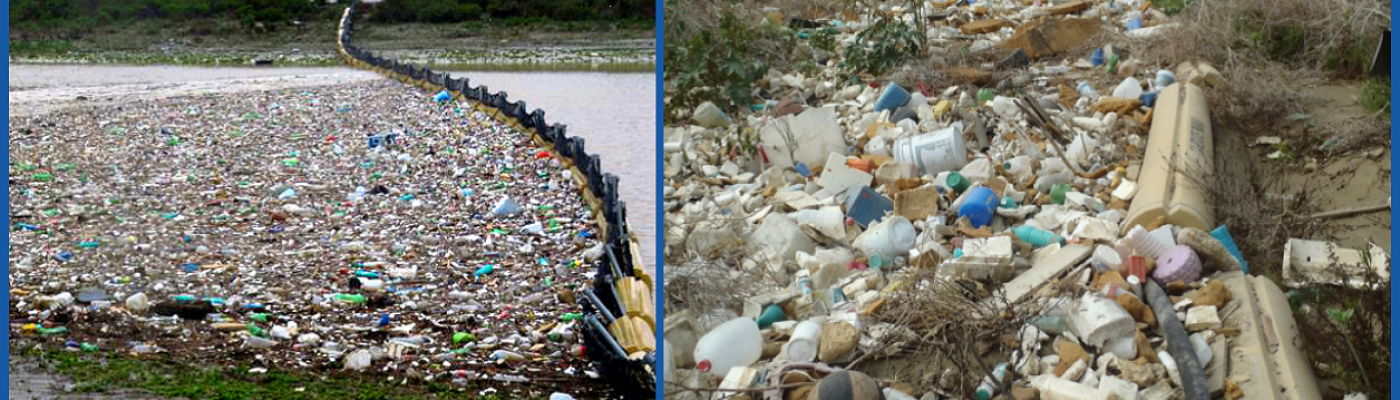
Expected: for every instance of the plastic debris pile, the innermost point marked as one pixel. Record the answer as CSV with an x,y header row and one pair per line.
x,y
1074,207
360,226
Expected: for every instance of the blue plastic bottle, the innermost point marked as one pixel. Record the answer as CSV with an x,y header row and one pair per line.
x,y
979,207
893,98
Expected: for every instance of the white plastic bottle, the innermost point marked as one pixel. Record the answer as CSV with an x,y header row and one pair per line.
x,y
803,345
731,344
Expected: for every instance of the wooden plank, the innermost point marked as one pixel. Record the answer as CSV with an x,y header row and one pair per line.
x,y
1057,263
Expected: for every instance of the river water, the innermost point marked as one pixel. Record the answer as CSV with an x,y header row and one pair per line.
x,y
614,112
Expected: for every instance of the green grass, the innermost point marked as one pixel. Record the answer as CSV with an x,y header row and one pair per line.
x,y
103,372
1375,95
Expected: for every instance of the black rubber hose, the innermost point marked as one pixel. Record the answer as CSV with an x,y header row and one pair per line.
x,y
1193,375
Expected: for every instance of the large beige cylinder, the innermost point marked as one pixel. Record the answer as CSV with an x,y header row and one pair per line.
x,y
1180,158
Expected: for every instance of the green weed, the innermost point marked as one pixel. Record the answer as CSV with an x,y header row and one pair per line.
x,y
882,48
102,373
719,66
1375,95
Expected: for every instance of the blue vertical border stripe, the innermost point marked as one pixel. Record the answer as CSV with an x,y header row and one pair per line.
x,y
660,207
5,194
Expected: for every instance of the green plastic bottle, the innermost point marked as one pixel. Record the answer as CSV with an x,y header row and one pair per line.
x,y
1058,192
985,95
459,337
570,317
350,298
52,331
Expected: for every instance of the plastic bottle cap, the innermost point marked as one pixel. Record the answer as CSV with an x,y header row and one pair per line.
x,y
703,366
957,182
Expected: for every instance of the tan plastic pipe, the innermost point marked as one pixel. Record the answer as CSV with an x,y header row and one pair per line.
x,y
1180,155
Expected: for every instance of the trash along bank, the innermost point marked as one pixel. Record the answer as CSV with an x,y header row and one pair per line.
x,y
365,228
1047,237
618,321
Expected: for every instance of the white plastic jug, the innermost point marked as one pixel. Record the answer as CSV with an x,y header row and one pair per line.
x,y
732,344
892,237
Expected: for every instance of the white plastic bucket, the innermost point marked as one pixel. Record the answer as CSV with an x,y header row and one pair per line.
x,y
938,151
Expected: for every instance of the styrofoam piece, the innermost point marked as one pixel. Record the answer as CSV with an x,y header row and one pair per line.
x,y
739,377
1309,262
828,220
1111,388
1203,352
996,249
814,133
837,176
1125,190
1123,347
1179,156
779,238
1098,320
1200,318
1164,234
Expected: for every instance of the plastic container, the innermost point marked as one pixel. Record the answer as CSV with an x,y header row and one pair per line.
x,y
1107,259
1019,167
867,207
138,303
1164,78
1178,264
708,115
939,151
1146,245
802,347
1052,388
1051,324
1046,183
893,98
1097,57
1223,235
1035,236
988,388
1130,88
891,238
732,344
956,182
1111,64
771,314
980,206
1058,192
1087,91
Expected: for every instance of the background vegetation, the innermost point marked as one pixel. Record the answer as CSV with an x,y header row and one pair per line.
x,y
76,17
